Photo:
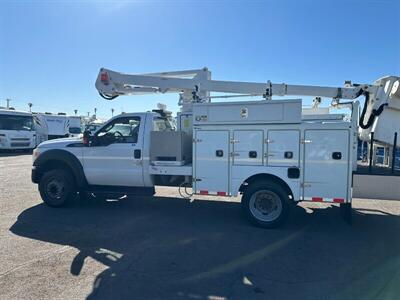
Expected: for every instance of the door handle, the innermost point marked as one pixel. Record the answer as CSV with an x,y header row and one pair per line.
x,y
219,153
337,155
253,154
137,153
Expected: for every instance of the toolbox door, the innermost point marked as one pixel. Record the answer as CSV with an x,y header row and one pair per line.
x,y
248,147
283,148
211,167
326,165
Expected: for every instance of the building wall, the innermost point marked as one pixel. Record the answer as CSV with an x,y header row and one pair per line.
x,y
376,187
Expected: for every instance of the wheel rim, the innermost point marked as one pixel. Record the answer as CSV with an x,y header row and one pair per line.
x,y
265,205
55,189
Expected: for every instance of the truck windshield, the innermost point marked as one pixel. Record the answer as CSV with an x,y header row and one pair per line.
x,y
11,122
74,130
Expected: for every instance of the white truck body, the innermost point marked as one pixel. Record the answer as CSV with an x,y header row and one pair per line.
x,y
309,146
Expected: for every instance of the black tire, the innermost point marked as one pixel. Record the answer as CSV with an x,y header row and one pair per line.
x,y
57,188
265,204
346,212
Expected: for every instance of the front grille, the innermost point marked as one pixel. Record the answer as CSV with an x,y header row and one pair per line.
x,y
20,139
20,144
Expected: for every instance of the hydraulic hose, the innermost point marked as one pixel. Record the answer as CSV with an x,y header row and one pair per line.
x,y
374,113
107,97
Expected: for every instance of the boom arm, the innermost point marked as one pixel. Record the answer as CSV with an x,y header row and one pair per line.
x,y
112,84
195,86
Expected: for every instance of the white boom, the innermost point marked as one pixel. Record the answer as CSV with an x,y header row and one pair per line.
x,y
195,86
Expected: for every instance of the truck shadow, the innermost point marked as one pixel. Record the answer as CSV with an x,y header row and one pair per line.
x,y
168,248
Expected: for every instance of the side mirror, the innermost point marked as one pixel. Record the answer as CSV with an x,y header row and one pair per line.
x,y
86,138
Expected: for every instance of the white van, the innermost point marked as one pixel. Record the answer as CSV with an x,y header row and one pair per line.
x,y
17,130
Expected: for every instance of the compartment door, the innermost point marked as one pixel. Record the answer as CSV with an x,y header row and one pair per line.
x,y
248,148
211,162
283,148
326,165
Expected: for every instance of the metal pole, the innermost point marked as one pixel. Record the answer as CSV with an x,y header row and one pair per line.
x,y
394,151
8,103
371,151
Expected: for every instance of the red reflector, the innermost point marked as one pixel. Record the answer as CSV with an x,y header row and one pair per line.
x,y
104,77
338,200
203,192
221,194
317,199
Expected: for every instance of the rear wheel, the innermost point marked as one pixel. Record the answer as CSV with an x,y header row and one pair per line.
x,y
265,204
57,188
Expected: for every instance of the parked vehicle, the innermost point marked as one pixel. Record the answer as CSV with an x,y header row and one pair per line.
x,y
61,125
18,130
74,126
268,150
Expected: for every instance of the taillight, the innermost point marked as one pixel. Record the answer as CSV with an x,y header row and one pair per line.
x,y
104,78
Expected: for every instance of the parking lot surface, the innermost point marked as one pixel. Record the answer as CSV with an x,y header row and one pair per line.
x,y
165,247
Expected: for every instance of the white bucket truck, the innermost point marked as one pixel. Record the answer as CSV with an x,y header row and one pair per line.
x,y
266,150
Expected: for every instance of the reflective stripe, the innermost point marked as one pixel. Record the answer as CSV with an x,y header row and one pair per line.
x,y
317,199
213,193
328,200
338,200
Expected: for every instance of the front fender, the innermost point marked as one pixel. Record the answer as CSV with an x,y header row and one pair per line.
x,y
55,158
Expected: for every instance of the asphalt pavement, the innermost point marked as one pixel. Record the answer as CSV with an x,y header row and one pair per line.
x,y
165,247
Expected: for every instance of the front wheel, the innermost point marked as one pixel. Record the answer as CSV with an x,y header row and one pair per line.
x,y
57,187
265,204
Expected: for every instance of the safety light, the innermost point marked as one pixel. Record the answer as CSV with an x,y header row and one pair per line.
x,y
104,78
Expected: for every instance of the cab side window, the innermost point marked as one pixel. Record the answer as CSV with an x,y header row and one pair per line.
x,y
121,130
162,124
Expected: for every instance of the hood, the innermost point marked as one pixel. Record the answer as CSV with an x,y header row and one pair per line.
x,y
60,143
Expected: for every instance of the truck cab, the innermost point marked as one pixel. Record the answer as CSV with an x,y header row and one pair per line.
x,y
118,151
115,159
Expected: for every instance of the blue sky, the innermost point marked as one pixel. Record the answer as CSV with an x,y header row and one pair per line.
x,y
51,51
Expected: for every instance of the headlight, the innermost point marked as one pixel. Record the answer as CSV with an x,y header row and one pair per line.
x,y
35,154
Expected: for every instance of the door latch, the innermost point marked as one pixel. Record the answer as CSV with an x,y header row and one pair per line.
x,y
305,141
